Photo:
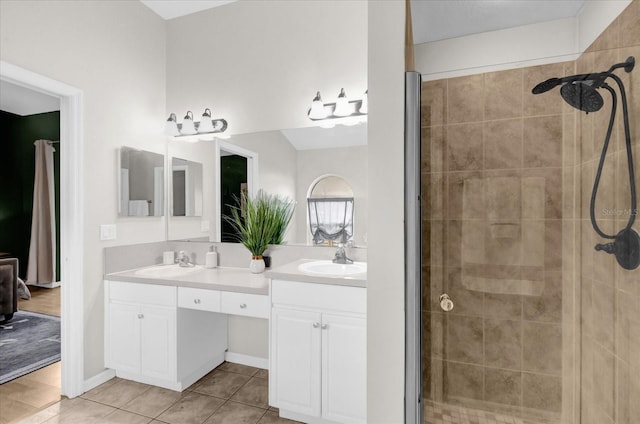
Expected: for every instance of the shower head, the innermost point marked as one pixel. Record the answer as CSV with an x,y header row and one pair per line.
x,y
582,96
547,85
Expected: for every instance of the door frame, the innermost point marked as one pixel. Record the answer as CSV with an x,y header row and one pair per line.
x,y
71,219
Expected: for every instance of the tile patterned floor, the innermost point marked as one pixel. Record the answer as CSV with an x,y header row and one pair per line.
x,y
230,394
438,413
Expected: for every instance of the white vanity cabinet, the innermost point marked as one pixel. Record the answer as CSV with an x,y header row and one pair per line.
x,y
318,352
150,339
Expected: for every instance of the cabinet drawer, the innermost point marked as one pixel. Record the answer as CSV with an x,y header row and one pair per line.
x,y
201,299
319,296
148,294
251,305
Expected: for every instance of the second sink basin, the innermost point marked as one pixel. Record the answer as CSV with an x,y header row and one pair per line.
x,y
167,271
330,269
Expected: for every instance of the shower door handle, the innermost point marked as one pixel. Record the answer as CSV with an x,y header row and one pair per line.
x,y
445,302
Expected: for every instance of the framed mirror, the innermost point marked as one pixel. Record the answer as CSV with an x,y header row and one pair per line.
x,y
186,187
141,183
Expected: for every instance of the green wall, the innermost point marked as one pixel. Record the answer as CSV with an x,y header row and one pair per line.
x,y
17,170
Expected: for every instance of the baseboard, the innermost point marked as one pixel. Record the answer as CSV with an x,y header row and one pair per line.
x,y
99,379
51,285
252,361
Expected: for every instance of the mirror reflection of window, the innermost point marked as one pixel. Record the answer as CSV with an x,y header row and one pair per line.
x,y
330,207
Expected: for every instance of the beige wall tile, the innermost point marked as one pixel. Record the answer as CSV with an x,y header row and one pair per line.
x,y
434,103
503,144
542,344
543,141
464,147
465,99
541,392
503,386
503,94
630,25
503,344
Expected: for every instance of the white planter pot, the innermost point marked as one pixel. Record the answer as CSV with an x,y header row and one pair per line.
x,y
256,266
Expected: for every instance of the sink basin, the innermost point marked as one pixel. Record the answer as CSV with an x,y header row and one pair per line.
x,y
330,269
167,271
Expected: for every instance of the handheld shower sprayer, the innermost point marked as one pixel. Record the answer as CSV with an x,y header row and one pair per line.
x,y
580,91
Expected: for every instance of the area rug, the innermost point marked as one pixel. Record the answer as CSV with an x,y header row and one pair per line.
x,y
28,342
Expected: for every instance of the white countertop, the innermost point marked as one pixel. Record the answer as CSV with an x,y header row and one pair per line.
x,y
291,272
239,280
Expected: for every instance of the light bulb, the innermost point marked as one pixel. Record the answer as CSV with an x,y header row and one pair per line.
x,y
317,110
171,126
364,106
342,105
206,126
188,128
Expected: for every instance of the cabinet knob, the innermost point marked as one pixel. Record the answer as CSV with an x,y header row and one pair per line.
x,y
243,306
140,316
316,325
196,301
325,326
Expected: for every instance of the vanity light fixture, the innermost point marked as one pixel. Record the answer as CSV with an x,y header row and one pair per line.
x,y
189,127
340,109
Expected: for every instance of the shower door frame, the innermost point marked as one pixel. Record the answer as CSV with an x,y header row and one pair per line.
x,y
414,407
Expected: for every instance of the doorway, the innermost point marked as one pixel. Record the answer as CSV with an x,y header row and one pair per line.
x,y
237,173
71,219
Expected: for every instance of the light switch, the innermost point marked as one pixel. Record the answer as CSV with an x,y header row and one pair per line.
x,y
108,232
204,225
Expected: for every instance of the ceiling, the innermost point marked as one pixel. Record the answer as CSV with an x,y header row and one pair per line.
x,y
432,19
22,101
327,138
435,20
169,9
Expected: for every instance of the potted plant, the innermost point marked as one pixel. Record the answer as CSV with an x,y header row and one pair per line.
x,y
259,222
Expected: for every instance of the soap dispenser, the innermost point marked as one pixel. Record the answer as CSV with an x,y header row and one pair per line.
x,y
211,260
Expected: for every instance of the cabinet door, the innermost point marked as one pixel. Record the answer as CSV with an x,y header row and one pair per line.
x,y
344,368
124,337
158,342
295,360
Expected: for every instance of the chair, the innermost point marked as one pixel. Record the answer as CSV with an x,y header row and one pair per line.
x,y
8,287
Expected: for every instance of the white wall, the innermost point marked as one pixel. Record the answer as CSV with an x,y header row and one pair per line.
x,y
385,252
115,53
536,44
259,64
350,163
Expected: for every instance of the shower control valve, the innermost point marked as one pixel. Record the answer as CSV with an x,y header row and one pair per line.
x,y
445,302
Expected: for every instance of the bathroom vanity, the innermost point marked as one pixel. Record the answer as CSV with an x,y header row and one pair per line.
x,y
169,328
318,344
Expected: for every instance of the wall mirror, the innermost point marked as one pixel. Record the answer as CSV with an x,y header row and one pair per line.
x,y
186,187
288,162
141,183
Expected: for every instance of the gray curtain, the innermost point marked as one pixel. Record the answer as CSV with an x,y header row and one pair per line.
x,y
41,268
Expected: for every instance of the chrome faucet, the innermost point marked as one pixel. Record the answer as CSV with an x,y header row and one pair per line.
x,y
341,255
183,259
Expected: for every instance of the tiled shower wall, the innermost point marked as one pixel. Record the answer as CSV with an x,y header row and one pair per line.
x,y
610,295
507,346
493,218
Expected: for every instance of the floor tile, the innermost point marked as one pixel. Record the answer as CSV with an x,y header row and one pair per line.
x,y
123,417
193,408
118,394
153,402
221,384
236,413
262,374
255,393
238,368
272,418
